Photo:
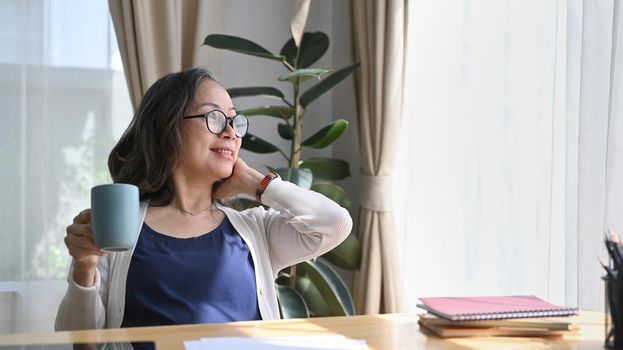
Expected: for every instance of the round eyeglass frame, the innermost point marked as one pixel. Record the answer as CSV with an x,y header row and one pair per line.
x,y
228,121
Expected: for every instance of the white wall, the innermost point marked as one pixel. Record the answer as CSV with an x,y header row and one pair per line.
x,y
344,102
344,106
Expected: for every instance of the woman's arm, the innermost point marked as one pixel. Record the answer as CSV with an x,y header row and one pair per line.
x,y
83,307
303,225
83,304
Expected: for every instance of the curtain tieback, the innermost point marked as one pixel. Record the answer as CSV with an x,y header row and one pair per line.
x,y
376,192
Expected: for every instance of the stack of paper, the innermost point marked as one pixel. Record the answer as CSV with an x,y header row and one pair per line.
x,y
514,315
521,327
331,342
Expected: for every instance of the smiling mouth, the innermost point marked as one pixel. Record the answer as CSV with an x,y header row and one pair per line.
x,y
223,151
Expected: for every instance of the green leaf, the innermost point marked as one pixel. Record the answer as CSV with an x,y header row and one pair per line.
x,y
347,255
326,135
283,112
241,45
291,303
314,300
313,46
333,192
255,144
255,91
333,290
300,177
285,131
303,74
338,284
289,52
326,84
327,168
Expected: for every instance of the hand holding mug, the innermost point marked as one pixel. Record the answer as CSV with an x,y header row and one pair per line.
x,y
82,248
80,243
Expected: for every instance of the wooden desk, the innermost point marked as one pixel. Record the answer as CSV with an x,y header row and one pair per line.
x,y
383,332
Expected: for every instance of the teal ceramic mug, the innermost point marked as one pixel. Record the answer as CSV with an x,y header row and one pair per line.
x,y
114,216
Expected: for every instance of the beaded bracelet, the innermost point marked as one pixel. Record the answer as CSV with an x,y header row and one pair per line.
x,y
262,186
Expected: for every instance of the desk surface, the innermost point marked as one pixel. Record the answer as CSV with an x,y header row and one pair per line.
x,y
383,332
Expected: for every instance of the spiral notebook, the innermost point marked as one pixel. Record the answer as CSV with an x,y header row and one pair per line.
x,y
493,307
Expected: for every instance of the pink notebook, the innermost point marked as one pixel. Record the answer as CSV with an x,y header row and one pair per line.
x,y
493,307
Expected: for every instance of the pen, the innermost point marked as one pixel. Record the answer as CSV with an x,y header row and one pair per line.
x,y
616,254
606,267
614,238
614,287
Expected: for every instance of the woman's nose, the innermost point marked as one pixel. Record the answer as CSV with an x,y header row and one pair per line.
x,y
229,131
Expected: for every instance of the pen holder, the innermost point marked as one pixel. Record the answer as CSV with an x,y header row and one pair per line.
x,y
614,313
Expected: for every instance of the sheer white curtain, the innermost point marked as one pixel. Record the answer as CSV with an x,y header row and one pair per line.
x,y
64,103
488,179
600,157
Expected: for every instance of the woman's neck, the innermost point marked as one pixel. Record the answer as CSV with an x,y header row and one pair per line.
x,y
192,194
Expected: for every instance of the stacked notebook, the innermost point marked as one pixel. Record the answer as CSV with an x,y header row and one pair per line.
x,y
495,316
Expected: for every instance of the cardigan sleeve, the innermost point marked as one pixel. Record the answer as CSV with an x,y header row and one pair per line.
x,y
84,307
303,224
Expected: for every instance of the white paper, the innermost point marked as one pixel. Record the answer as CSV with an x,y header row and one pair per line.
x,y
324,342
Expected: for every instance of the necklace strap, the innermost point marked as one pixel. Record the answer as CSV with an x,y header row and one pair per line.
x,y
191,213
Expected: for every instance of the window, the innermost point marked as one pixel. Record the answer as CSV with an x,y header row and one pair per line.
x,y
484,164
65,103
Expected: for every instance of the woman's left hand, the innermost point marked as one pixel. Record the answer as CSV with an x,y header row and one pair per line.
x,y
243,179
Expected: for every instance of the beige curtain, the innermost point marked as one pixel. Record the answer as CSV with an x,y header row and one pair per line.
x,y
379,41
157,37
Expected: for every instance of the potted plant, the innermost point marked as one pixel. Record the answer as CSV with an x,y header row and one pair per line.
x,y
311,288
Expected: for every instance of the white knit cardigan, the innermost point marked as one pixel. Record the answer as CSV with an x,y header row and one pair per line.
x,y
300,224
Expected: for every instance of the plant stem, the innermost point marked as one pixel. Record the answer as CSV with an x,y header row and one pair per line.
x,y
284,155
287,102
293,276
295,150
290,68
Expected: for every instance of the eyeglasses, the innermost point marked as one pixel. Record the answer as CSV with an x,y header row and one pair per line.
x,y
217,121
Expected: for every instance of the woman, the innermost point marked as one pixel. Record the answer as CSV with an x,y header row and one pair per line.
x,y
195,261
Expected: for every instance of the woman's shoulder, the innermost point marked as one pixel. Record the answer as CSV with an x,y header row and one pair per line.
x,y
253,213
251,222
236,208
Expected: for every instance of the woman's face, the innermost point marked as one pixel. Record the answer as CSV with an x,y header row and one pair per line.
x,y
205,153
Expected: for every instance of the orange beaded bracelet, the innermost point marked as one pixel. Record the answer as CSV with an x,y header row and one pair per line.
x,y
262,186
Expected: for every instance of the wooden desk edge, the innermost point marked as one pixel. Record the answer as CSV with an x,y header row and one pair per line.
x,y
379,330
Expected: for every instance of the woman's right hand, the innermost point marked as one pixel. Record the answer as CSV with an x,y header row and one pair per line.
x,y
82,248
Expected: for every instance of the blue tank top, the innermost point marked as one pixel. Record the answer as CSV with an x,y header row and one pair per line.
x,y
204,279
